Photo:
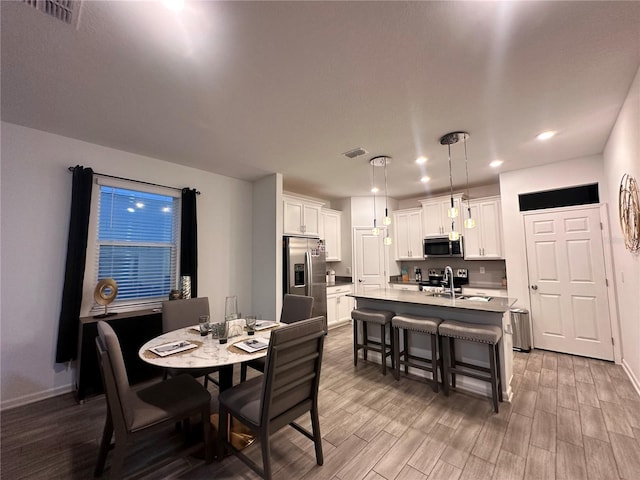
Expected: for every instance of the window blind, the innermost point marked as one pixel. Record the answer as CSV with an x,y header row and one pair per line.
x,y
137,244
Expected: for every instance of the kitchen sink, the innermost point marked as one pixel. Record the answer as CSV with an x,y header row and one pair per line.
x,y
474,298
471,298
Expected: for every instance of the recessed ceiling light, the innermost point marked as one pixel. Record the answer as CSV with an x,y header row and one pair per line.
x,y
425,179
545,135
174,5
421,160
131,210
496,163
140,205
375,190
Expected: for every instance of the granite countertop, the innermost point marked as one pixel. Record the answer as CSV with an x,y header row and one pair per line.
x,y
496,304
339,283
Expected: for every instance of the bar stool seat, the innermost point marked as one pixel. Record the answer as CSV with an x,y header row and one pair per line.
x,y
379,317
471,332
413,323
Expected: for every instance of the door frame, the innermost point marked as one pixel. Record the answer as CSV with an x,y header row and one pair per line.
x,y
605,233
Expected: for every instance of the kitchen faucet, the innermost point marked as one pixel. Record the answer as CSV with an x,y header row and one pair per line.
x,y
448,277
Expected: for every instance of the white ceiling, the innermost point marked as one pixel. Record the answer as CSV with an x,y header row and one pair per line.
x,y
245,89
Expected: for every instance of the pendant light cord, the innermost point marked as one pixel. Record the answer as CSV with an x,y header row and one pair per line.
x,y
466,167
373,186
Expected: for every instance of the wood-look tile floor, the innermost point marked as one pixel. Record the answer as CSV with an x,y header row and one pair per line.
x,y
571,418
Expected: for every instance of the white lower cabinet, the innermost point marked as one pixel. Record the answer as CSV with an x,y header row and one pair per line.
x,y
339,305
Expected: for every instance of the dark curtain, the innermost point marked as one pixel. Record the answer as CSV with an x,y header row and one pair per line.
x,y
189,239
74,272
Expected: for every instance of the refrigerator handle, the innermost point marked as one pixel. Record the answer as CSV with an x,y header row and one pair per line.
x,y
309,268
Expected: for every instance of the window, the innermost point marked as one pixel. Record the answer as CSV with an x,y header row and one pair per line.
x,y
137,244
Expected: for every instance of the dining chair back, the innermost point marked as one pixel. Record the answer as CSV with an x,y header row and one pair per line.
x,y
184,313
294,309
288,389
131,413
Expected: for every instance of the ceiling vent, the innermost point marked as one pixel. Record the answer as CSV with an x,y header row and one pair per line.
x,y
67,11
356,152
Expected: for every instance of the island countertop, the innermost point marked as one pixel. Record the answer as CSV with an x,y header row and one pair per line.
x,y
496,304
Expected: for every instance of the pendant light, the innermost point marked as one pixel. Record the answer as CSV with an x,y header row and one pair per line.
x,y
469,222
448,140
375,230
382,161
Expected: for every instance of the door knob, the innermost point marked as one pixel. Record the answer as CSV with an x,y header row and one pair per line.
x,y
360,280
534,287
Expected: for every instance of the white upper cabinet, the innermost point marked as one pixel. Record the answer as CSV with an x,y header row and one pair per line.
x,y
484,241
435,218
301,216
407,233
330,232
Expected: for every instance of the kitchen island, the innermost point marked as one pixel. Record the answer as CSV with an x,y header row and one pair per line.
x,y
494,311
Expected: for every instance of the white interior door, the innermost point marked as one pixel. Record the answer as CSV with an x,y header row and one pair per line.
x,y
567,283
370,271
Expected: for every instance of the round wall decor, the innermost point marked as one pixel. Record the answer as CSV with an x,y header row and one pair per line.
x,y
629,210
105,292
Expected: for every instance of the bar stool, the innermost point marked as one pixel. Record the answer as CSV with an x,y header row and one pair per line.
x,y
471,332
379,317
413,323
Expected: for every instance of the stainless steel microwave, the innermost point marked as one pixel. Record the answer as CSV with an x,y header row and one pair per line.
x,y
441,246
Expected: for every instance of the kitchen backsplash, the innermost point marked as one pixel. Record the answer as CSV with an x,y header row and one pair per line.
x,y
494,270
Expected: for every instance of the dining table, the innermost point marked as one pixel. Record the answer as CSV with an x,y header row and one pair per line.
x,y
208,352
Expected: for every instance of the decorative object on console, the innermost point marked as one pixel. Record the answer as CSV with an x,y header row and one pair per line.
x,y
629,211
105,292
185,286
448,140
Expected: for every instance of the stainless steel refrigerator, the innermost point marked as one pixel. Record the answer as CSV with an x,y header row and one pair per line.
x,y
304,270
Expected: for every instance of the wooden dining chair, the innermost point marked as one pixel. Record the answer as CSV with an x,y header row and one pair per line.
x,y
185,313
132,413
288,389
294,309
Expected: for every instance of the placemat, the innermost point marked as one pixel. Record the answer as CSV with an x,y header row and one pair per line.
x,y
233,349
149,354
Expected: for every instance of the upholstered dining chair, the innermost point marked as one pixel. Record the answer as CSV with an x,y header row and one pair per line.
x,y
184,313
294,309
132,413
288,389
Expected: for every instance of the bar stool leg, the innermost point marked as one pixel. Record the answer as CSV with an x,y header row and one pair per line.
x,y
383,348
365,340
452,360
355,343
445,366
391,350
499,372
494,380
395,334
434,363
406,350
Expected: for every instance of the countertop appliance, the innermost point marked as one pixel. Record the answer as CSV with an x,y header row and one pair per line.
x,y
304,270
441,246
436,279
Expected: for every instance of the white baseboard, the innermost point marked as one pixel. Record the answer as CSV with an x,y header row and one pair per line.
x,y
35,397
632,377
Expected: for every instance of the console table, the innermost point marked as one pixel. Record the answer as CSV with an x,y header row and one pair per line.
x,y
133,330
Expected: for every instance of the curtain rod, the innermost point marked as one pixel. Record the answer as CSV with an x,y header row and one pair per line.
x,y
71,169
